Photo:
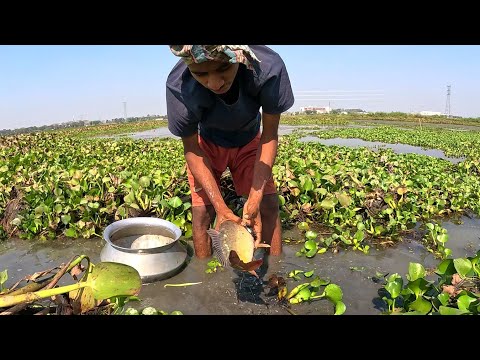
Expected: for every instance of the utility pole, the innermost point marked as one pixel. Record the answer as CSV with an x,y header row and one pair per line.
x,y
125,110
447,105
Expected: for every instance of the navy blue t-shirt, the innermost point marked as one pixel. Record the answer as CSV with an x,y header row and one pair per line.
x,y
191,107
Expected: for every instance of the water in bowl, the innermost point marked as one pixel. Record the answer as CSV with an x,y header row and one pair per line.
x,y
144,241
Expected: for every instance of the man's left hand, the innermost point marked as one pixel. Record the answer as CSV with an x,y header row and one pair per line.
x,y
252,218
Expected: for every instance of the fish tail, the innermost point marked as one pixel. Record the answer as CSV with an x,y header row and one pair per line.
x,y
253,265
236,263
217,246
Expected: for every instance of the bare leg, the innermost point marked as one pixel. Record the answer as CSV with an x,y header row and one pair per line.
x,y
271,225
202,217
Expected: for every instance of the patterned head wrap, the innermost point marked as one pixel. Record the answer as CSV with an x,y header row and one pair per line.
x,y
224,53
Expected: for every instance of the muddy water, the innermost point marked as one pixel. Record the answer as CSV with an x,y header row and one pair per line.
x,y
411,124
228,292
398,148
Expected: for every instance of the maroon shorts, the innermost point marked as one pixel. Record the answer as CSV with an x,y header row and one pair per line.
x,y
239,160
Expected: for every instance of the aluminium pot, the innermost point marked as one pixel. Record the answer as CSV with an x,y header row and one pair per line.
x,y
153,264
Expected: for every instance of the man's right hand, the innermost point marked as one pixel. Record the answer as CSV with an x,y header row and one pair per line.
x,y
224,216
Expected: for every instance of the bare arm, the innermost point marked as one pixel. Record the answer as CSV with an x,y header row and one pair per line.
x,y
266,154
201,169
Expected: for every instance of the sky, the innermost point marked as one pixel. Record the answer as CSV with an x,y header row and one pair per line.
x,y
51,84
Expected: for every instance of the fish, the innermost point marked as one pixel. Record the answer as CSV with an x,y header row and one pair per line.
x,y
234,247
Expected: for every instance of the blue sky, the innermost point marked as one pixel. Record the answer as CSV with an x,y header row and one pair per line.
x,y
43,85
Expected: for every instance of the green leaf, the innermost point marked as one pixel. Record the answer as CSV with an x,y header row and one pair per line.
x,y
129,198
308,185
303,226
330,178
175,202
445,310
16,222
464,302
65,219
415,271
317,282
344,199
310,244
443,238
446,267
327,204
58,208
421,305
443,298
3,278
178,222
394,285
333,292
311,253
70,232
357,268
144,181
311,235
304,294
339,308
308,273
294,273
463,266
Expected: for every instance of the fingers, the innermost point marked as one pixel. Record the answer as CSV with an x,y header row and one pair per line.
x,y
258,233
258,237
247,220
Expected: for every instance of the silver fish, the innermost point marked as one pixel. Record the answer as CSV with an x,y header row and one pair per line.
x,y
234,246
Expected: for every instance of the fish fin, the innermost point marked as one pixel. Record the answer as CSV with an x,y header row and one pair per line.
x,y
254,273
253,265
217,246
236,263
234,259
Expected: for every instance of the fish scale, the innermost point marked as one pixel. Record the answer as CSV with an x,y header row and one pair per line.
x,y
234,242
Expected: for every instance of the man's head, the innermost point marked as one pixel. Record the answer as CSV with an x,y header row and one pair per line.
x,y
215,66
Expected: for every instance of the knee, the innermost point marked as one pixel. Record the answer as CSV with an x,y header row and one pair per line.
x,y
269,205
202,215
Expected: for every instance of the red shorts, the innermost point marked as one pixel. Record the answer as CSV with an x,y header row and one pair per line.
x,y
239,160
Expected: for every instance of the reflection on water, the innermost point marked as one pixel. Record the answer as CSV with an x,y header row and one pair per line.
x,y
398,148
155,133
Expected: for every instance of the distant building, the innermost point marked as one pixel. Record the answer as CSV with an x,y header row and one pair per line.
x,y
430,113
316,109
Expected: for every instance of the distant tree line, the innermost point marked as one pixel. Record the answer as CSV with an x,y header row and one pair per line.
x,y
79,123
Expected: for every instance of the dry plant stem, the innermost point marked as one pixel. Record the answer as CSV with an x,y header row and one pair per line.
x,y
62,272
19,307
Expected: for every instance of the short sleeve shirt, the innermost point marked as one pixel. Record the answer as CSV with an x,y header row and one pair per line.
x,y
193,108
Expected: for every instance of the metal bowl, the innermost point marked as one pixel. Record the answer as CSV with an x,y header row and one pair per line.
x,y
153,264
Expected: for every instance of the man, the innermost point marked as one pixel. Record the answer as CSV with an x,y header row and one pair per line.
x,y
214,94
